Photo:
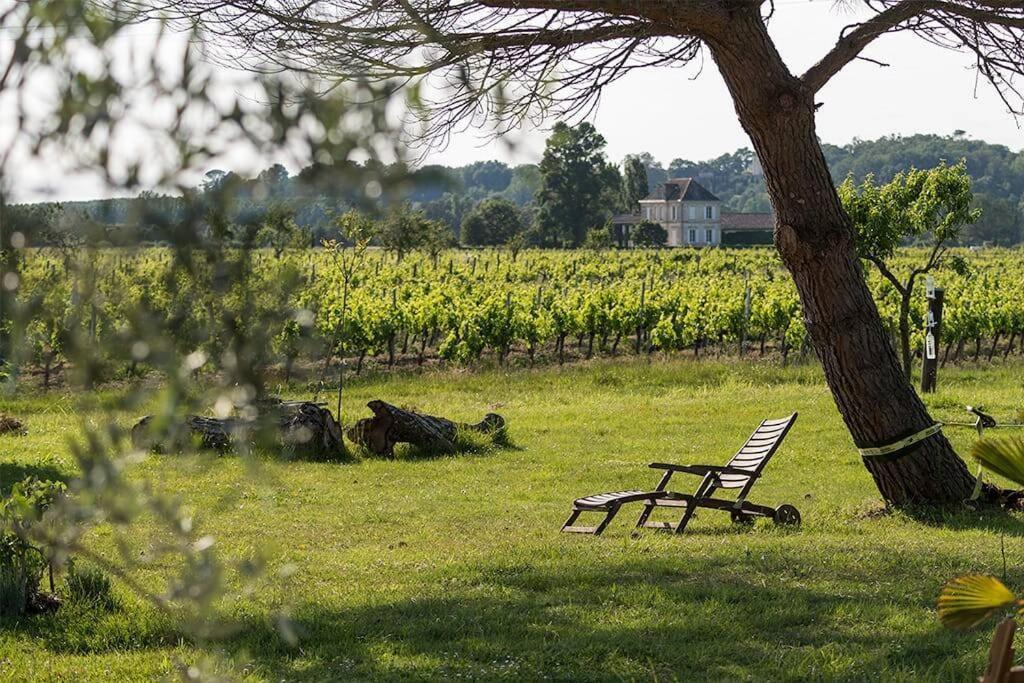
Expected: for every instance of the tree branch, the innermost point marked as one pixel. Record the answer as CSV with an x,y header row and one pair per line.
x,y
888,274
930,18
851,44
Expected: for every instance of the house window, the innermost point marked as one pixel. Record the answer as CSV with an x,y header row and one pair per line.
x,y
692,212
673,212
647,212
708,212
709,236
693,235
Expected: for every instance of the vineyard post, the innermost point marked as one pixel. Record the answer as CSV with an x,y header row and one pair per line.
x,y
930,364
746,314
640,318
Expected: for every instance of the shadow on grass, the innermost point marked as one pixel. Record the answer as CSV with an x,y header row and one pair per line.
x,y
644,619
986,518
87,629
647,618
468,443
12,472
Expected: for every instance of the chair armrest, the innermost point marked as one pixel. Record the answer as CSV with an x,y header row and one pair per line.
x,y
701,470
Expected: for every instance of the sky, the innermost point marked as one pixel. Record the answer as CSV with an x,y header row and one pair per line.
x,y
680,112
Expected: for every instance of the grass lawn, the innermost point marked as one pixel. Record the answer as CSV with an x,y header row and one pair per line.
x,y
454,567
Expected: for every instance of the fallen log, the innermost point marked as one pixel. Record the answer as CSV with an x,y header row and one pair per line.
x,y
12,425
390,425
304,429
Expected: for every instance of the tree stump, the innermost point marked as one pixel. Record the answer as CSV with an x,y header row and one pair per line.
x,y
305,429
390,425
11,425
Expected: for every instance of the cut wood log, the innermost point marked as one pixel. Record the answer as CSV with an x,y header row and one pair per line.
x,y
390,425
307,430
12,425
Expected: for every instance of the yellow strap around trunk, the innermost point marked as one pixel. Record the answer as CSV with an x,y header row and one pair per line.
x,y
902,443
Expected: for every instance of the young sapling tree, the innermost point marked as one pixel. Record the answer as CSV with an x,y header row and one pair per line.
x,y
348,254
931,205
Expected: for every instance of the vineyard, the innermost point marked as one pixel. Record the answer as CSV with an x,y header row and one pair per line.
x,y
462,306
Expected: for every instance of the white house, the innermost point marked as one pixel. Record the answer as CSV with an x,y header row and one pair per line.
x,y
689,213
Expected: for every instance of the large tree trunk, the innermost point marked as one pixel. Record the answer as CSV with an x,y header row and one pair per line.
x,y
905,335
815,239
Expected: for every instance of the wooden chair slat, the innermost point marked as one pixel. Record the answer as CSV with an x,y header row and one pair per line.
x,y
748,458
755,450
753,442
770,431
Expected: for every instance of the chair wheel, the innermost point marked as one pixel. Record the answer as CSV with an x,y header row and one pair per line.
x,y
739,517
787,514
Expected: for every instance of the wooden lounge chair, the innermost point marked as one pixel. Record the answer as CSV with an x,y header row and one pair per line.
x,y
741,472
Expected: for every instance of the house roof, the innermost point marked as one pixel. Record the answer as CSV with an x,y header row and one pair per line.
x,y
685,189
747,221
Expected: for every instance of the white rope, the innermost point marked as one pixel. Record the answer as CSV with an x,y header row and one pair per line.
x,y
902,443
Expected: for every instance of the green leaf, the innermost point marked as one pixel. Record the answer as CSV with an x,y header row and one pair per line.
x,y
1003,456
968,600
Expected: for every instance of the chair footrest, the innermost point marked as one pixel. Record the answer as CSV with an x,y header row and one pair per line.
x,y
600,501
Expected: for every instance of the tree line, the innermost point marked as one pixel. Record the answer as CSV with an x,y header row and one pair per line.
x,y
564,201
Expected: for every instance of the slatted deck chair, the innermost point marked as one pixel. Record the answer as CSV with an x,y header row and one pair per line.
x,y
741,472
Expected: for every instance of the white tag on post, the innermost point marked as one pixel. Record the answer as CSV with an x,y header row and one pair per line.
x,y
929,287
929,346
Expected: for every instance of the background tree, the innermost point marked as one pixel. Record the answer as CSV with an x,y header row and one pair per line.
x,y
1001,222
933,205
273,181
575,184
490,176
279,231
434,237
402,230
492,222
524,185
496,57
450,209
649,234
634,183
598,239
656,173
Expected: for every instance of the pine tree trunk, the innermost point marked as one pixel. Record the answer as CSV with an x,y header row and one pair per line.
x,y
905,336
814,237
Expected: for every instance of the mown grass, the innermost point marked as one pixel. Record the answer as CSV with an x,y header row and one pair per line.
x,y
453,567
